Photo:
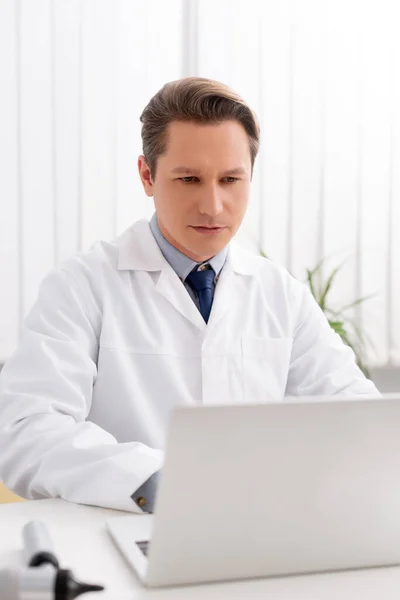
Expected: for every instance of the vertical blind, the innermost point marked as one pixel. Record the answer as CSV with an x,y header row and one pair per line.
x,y
322,75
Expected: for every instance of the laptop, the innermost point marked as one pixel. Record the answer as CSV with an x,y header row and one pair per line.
x,y
300,486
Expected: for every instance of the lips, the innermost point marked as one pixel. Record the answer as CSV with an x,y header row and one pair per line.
x,y
208,230
209,226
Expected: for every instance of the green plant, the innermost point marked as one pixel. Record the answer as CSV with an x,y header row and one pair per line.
x,y
341,323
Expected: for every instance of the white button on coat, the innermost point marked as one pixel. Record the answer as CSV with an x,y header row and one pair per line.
x,y
114,341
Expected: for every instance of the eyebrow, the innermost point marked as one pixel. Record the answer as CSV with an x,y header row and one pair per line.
x,y
183,169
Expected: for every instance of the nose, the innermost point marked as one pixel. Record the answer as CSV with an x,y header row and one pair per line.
x,y
211,201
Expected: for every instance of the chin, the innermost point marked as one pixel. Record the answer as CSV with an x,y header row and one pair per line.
x,y
209,249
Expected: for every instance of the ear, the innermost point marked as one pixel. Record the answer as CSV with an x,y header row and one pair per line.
x,y
145,176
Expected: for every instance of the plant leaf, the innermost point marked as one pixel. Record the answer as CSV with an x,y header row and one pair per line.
x,y
337,326
329,284
310,282
357,302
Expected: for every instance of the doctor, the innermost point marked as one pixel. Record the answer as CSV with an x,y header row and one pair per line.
x,y
172,312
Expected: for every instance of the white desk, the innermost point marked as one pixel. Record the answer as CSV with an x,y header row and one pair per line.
x,y
83,545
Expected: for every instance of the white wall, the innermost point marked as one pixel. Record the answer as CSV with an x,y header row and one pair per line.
x,y
323,76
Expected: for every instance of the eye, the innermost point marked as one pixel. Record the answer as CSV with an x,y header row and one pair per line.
x,y
189,179
231,179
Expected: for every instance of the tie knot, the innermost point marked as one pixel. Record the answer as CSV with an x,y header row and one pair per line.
x,y
201,280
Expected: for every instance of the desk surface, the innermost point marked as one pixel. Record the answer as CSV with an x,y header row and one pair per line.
x,y
82,544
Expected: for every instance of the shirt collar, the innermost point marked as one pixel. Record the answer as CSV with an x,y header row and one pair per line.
x,y
181,263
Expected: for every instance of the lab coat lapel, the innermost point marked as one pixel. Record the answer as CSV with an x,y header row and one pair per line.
x,y
232,284
225,296
172,289
139,251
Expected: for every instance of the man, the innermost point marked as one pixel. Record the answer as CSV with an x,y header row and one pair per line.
x,y
170,313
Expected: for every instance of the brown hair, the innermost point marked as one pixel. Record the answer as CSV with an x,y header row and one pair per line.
x,y
193,99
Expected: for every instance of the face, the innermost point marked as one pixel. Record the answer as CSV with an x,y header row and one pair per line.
x,y
202,186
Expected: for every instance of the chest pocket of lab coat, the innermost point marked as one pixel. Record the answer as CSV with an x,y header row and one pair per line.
x,y
265,367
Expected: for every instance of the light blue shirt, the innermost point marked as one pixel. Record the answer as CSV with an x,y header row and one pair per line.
x,y
182,264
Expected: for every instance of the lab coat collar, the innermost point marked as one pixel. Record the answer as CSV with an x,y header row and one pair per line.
x,y
139,251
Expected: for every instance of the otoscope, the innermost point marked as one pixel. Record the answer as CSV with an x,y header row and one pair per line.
x,y
42,579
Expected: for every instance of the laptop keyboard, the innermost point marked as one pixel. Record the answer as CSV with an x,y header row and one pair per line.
x,y
144,546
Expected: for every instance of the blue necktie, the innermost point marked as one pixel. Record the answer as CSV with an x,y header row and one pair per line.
x,y
202,283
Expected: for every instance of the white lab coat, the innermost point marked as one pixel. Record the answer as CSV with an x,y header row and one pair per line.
x,y
114,341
